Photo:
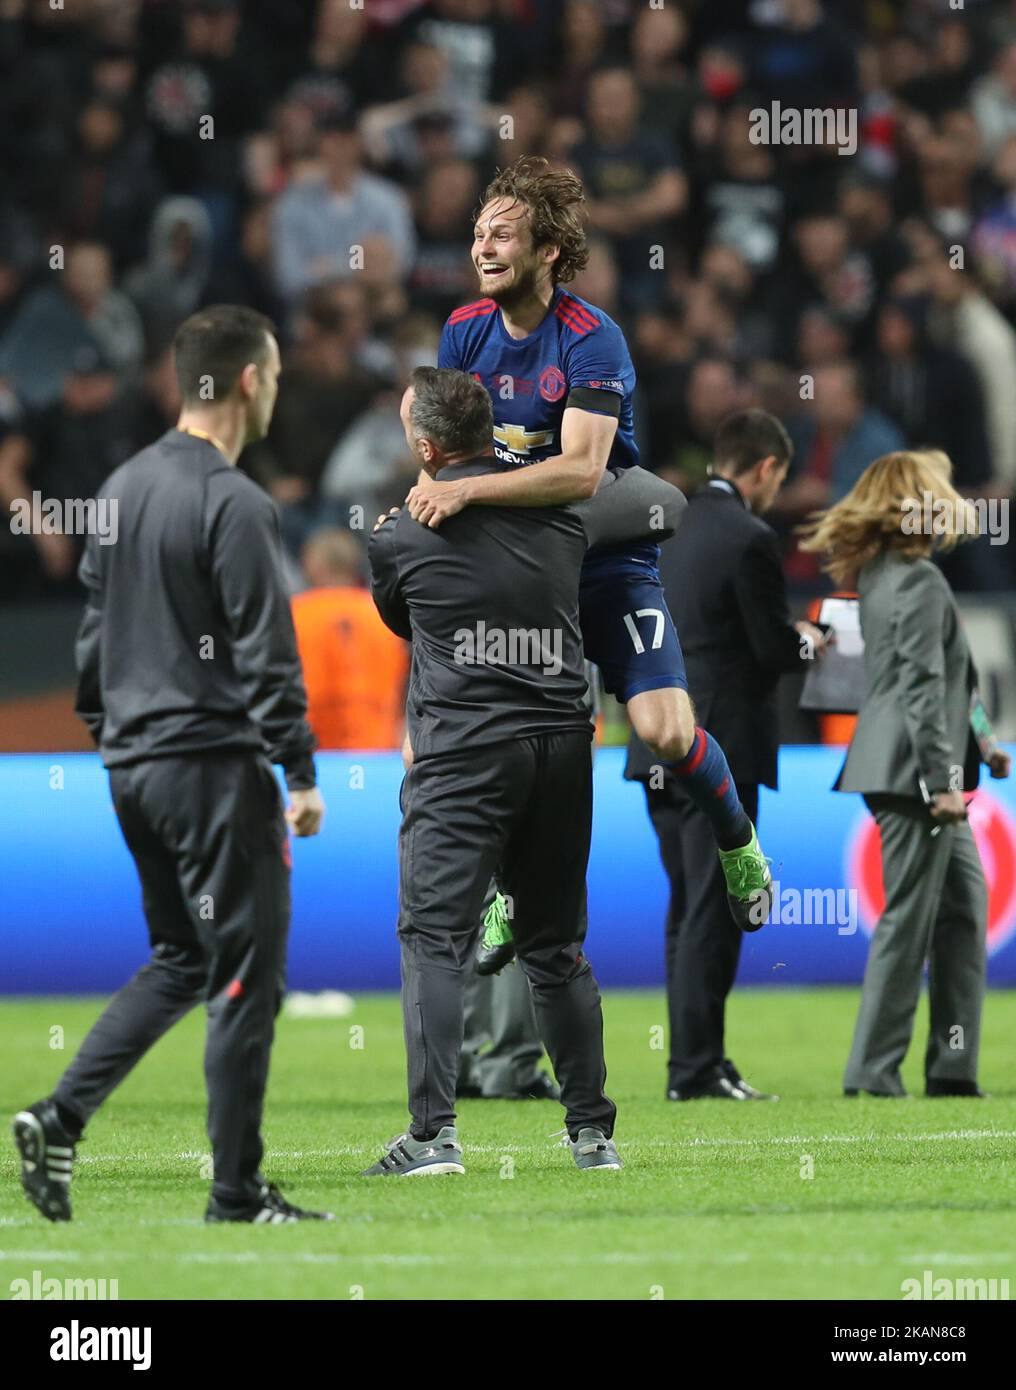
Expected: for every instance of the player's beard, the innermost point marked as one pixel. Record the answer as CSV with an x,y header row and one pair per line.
x,y
520,289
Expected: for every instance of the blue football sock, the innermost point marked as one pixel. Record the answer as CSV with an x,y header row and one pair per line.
x,y
706,776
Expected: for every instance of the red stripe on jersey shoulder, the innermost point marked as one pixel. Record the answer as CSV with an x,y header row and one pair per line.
x,y
574,316
577,326
479,309
569,301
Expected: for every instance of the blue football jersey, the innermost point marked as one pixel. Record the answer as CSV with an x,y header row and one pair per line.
x,y
576,345
529,378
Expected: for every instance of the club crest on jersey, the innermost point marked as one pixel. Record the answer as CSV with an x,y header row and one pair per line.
x,y
552,383
519,440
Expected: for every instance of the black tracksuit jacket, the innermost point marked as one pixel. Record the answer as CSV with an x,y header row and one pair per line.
x,y
187,642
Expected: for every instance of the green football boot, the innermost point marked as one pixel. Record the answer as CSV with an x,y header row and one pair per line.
x,y
496,947
749,884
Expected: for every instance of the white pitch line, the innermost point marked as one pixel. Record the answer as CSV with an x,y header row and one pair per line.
x,y
948,1258
617,1257
43,1255
951,1135
534,1147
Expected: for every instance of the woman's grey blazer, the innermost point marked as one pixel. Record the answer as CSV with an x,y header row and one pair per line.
x,y
914,722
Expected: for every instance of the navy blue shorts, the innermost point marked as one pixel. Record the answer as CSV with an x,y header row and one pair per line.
x,y
628,632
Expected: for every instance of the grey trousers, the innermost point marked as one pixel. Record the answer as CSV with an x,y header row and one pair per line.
x,y
936,908
501,1046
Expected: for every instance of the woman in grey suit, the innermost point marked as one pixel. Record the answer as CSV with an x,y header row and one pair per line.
x,y
915,760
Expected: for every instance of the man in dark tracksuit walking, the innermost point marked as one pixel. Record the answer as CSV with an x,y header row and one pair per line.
x,y
501,779
191,686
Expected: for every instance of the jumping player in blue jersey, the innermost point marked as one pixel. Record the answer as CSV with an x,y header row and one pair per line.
x,y
561,380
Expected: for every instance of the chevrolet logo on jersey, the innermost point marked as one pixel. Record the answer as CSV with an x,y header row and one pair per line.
x,y
520,440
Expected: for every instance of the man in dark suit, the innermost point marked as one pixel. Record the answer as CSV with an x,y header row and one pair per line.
x,y
724,584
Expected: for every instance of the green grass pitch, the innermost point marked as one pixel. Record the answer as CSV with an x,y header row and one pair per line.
x,y
715,1201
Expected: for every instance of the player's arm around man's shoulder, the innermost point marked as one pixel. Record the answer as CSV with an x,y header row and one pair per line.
x,y
598,373
245,552
571,476
589,426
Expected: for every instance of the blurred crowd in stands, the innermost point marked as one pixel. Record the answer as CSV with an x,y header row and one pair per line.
x,y
322,161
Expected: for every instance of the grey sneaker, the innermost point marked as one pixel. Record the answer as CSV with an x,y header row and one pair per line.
x,y
408,1157
592,1149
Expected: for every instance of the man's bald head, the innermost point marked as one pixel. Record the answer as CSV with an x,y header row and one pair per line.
x,y
332,558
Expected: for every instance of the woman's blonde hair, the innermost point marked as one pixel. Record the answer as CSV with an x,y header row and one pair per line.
x,y
904,502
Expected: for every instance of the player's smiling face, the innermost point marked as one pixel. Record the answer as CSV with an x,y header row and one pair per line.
x,y
509,267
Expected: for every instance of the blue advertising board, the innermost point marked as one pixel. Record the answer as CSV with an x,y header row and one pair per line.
x,y
70,906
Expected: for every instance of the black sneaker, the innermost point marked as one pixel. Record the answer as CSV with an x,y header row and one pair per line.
x,y
734,1076
269,1209
542,1087
47,1153
970,1089
718,1087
